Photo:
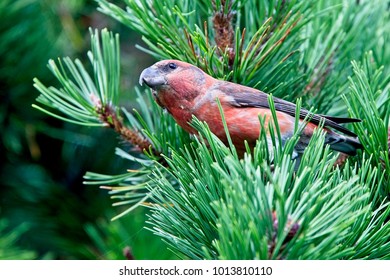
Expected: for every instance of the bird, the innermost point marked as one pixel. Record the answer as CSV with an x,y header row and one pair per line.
x,y
185,90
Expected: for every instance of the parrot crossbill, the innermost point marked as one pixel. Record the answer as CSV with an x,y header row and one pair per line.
x,y
185,91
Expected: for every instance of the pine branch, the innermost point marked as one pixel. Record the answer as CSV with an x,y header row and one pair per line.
x,y
88,101
117,241
8,243
332,43
206,201
180,37
369,100
311,214
110,118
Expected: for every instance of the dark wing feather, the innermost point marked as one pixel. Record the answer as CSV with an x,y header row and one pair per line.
x,y
340,119
255,98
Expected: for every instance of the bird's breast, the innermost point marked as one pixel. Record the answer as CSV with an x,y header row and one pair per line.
x,y
178,107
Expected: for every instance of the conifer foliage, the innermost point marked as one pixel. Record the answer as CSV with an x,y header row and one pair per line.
x,y
206,201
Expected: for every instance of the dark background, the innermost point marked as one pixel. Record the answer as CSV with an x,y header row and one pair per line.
x,y
45,210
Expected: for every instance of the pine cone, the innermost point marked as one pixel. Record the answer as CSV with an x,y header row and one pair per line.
x,y
223,28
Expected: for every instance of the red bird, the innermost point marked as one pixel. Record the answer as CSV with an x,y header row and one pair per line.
x,y
185,90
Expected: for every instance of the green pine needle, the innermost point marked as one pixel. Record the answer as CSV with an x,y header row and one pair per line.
x,y
208,203
81,97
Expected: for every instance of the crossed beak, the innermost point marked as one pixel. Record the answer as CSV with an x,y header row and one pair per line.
x,y
152,77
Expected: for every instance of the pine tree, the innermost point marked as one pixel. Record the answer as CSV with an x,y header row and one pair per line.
x,y
208,203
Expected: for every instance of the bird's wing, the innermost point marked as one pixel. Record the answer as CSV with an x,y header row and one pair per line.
x,y
248,97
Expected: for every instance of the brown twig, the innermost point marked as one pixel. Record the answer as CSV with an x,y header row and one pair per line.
x,y
190,43
340,161
292,228
128,253
109,117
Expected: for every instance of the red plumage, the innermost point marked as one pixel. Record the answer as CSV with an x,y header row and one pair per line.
x,y
185,90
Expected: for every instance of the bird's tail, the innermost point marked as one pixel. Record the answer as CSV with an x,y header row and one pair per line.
x,y
345,144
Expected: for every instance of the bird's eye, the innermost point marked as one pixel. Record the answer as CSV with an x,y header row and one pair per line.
x,y
172,65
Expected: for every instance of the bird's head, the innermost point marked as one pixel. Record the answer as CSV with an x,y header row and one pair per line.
x,y
174,77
